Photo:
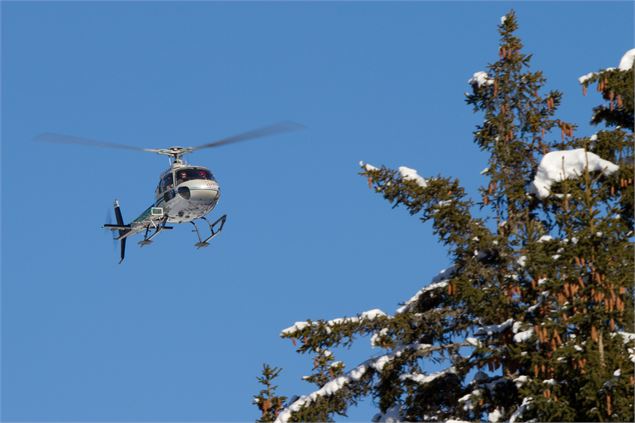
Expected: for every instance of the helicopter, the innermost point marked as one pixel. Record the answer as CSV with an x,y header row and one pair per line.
x,y
185,192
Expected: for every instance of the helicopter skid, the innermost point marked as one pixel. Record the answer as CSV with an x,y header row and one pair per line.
x,y
215,229
158,227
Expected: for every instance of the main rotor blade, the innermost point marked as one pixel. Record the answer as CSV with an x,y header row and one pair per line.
x,y
70,139
266,131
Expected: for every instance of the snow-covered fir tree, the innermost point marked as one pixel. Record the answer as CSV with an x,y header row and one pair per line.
x,y
534,319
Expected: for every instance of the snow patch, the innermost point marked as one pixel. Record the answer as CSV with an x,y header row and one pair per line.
x,y
408,305
557,166
494,416
521,380
372,314
480,78
440,281
367,167
519,411
374,340
329,388
423,379
523,336
367,315
626,63
473,342
408,174
492,329
545,238
585,78
297,327
627,336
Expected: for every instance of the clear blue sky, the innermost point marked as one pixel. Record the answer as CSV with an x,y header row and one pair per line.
x,y
180,334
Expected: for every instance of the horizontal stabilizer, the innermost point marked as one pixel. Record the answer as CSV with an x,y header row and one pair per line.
x,y
127,227
116,227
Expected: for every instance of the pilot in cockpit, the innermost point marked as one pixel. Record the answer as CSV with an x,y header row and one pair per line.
x,y
181,177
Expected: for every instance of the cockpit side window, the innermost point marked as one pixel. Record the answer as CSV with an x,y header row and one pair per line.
x,y
167,182
183,175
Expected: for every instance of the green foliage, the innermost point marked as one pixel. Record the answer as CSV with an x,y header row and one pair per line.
x,y
267,401
532,321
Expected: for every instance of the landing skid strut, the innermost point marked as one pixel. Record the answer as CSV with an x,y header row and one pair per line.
x,y
213,229
147,240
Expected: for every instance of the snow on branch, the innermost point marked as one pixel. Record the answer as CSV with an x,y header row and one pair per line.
x,y
439,199
626,63
494,416
424,379
523,336
584,78
329,388
367,167
297,327
440,281
516,326
334,386
480,79
557,166
369,315
520,410
494,329
408,174
627,338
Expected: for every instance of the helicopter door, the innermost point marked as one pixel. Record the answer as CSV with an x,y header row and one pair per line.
x,y
166,186
167,182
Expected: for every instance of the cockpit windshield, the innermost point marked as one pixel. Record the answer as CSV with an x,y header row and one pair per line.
x,y
183,175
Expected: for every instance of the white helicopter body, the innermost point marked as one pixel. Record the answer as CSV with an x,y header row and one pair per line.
x,y
194,195
185,193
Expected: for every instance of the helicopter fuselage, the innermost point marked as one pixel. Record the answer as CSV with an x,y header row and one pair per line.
x,y
186,193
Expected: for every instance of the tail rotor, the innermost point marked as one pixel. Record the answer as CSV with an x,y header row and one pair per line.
x,y
113,237
122,232
122,229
